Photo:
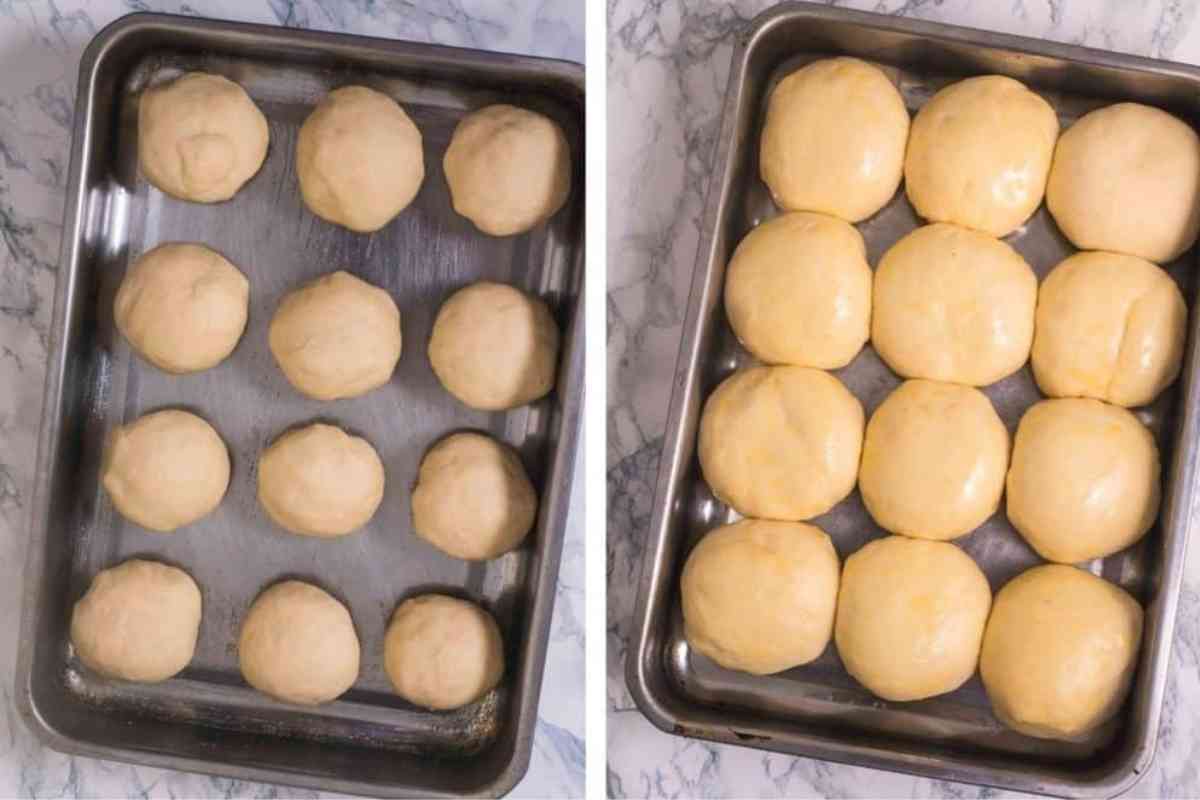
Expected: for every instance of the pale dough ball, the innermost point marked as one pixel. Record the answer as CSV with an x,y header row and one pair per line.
x,y
508,168
759,596
359,159
1084,480
1108,326
442,653
165,470
1059,652
1126,178
833,140
138,621
798,291
494,347
910,617
781,442
954,305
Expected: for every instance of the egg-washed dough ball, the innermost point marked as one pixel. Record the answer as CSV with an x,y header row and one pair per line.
x,y
138,621
954,305
1059,652
200,137
781,442
798,291
833,140
359,159
336,337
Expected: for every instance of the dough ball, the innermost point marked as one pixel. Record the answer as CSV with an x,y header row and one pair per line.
x,y
1059,652
509,169
336,337
953,305
781,442
798,291
1126,178
1108,326
138,621
165,470
834,139
494,347
1084,481
359,159
979,154
759,596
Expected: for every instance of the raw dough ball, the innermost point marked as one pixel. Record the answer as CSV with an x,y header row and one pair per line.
x,y
953,305
834,138
442,653
933,460
298,645
138,621
200,137
910,617
182,307
781,442
494,347
1059,652
1108,326
336,337
798,291
359,159
165,470
509,169
759,596
979,154
1126,178
1084,481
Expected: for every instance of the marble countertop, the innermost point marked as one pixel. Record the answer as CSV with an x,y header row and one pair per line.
x,y
667,67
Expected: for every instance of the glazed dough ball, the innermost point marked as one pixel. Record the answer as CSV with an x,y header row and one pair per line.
x,y
359,159
336,337
781,442
138,621
953,305
1059,652
833,140
759,596
1126,178
798,291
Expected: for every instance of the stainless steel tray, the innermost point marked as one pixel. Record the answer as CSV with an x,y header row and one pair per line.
x,y
818,710
207,719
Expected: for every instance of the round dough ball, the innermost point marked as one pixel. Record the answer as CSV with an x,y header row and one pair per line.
x,y
442,653
494,347
1084,481
979,154
138,621
781,442
1059,652
833,140
1126,178
1108,326
336,337
298,645
798,291
759,596
165,470
359,159
910,617
953,305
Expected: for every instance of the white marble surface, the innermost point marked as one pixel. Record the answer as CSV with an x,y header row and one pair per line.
x,y
667,67
40,45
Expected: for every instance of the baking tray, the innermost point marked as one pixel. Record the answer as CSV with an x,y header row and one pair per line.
x,y
207,719
817,710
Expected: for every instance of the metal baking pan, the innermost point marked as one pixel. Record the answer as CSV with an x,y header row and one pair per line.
x,y
207,719
817,710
